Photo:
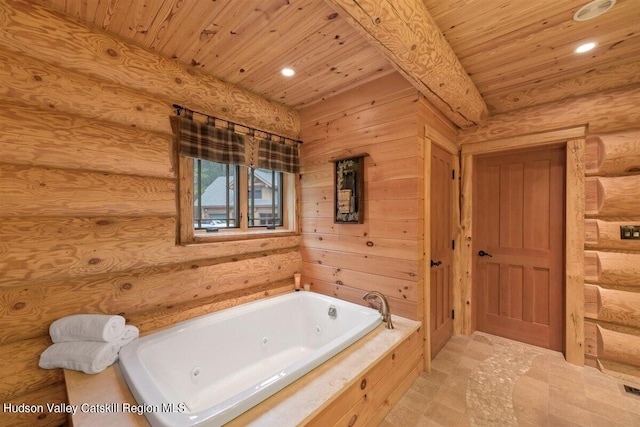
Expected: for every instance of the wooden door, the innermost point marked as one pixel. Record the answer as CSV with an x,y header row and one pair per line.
x,y
519,246
441,248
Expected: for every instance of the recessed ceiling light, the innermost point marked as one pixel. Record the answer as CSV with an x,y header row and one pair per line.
x,y
585,47
593,9
287,72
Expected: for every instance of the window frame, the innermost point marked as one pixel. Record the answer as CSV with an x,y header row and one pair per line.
x,y
185,199
236,202
250,191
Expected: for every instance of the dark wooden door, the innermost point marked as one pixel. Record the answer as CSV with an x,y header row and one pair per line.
x,y
441,248
518,225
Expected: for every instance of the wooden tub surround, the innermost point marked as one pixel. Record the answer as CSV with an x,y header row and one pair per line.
x,y
357,387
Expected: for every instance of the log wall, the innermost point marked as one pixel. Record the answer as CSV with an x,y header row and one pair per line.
x,y
385,253
612,265
87,183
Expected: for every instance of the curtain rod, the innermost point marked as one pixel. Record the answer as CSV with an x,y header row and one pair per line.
x,y
252,131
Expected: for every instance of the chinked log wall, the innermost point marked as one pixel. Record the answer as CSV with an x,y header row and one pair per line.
x,y
612,265
87,184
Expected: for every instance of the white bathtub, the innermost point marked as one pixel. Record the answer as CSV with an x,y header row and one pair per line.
x,y
209,370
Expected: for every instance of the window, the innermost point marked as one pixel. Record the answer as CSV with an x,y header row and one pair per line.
x,y
219,210
232,185
215,199
264,198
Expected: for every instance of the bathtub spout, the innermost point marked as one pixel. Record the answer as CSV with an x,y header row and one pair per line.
x,y
384,306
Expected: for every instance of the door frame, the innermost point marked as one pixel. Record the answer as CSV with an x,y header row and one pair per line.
x,y
574,140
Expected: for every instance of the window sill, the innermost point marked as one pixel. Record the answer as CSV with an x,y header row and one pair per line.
x,y
226,236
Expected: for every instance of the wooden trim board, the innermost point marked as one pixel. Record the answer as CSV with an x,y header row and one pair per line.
x,y
575,141
441,140
426,319
524,141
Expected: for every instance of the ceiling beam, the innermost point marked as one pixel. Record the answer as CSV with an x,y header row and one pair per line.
x,y
409,38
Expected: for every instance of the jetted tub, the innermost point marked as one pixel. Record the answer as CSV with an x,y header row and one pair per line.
x,y
209,370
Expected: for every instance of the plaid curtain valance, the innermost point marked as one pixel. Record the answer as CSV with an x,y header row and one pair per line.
x,y
278,157
205,141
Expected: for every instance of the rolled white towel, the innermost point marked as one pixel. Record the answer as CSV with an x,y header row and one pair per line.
x,y
87,327
130,333
89,357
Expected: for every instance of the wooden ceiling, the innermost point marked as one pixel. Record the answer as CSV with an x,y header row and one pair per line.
x,y
521,52
517,52
245,42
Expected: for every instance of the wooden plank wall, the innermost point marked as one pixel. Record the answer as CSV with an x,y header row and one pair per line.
x,y
385,253
612,265
88,211
612,190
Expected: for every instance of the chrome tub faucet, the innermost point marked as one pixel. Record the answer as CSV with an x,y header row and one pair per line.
x,y
370,297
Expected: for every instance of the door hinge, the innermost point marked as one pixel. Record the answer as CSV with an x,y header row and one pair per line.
x,y
453,245
453,174
453,314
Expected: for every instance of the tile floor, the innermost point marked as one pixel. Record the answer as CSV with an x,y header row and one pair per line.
x,y
484,380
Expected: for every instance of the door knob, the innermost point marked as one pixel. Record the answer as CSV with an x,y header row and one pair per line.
x,y
483,253
435,264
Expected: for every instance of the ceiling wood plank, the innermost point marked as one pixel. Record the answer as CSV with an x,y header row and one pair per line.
x,y
134,21
480,27
406,34
265,72
182,17
546,46
237,21
243,52
150,24
604,56
329,83
232,34
344,59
